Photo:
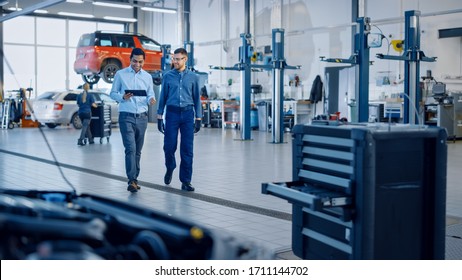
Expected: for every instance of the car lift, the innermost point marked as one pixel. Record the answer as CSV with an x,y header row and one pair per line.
x,y
203,76
412,57
278,64
360,59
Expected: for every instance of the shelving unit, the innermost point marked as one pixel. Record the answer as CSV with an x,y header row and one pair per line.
x,y
230,113
300,109
226,113
303,112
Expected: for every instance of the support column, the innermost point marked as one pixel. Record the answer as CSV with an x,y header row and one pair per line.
x,y
277,116
245,87
362,68
411,67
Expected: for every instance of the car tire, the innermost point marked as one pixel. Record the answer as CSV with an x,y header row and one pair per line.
x,y
157,78
91,79
76,122
109,71
51,125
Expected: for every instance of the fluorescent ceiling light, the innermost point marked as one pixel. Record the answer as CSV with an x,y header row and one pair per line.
x,y
75,15
112,5
14,9
160,10
75,1
41,11
120,19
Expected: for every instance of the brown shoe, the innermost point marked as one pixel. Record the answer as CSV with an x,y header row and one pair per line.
x,y
137,186
132,187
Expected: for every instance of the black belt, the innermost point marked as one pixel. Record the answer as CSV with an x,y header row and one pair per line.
x,y
179,109
144,114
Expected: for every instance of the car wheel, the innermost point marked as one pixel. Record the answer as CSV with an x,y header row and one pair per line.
x,y
51,125
91,79
109,71
157,78
76,122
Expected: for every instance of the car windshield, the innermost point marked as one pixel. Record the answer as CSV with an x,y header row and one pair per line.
x,y
87,40
71,96
149,44
48,96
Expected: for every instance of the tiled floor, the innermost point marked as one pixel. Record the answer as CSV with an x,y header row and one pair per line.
x,y
227,176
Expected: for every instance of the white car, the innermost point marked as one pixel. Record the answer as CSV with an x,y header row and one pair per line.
x,y
54,108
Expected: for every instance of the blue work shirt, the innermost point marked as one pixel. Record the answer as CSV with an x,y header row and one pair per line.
x,y
127,78
85,107
180,89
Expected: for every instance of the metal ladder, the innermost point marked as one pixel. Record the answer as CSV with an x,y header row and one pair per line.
x,y
6,114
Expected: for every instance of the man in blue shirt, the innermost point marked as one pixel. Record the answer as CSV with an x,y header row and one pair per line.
x,y
180,96
133,112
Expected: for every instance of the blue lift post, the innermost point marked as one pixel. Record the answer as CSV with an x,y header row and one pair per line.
x,y
412,57
166,60
245,53
203,76
165,64
360,58
278,65
189,47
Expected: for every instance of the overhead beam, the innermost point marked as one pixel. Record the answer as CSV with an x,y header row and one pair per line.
x,y
30,9
450,32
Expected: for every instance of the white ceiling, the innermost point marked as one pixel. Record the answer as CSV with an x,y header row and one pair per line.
x,y
86,7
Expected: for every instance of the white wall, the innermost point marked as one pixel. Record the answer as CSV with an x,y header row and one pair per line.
x,y
317,28
313,28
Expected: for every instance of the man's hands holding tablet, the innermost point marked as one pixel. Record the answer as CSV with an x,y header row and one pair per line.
x,y
136,92
133,92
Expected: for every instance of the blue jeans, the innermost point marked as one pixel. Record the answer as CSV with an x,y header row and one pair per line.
x,y
182,121
132,128
86,132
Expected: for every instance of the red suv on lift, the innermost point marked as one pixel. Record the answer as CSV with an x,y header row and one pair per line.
x,y
101,54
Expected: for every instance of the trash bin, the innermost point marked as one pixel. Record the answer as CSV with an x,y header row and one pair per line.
x,y
263,108
254,118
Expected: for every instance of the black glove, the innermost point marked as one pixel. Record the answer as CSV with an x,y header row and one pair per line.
x,y
197,126
160,125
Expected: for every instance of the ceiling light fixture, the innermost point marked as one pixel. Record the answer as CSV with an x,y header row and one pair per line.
x,y
160,10
75,1
120,19
14,9
41,11
75,15
112,5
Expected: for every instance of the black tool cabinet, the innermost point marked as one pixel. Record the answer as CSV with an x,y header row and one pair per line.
x,y
100,124
367,192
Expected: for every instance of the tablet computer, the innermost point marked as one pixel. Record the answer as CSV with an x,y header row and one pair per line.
x,y
136,92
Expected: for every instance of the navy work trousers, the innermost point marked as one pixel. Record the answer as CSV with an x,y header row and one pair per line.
x,y
179,121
